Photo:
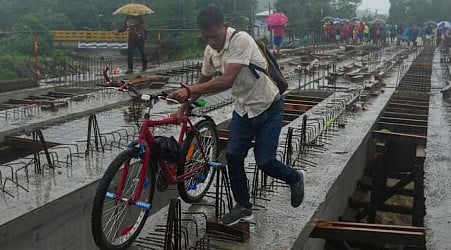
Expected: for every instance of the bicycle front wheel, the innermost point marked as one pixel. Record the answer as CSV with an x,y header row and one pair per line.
x,y
194,148
115,223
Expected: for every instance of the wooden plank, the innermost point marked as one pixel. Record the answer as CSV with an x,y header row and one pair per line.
x,y
404,121
420,152
22,101
290,117
239,232
414,102
300,102
384,207
419,139
299,107
407,106
304,98
406,111
376,234
403,128
406,116
34,146
293,112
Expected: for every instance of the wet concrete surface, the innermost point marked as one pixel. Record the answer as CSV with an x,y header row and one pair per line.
x,y
278,224
327,187
73,187
437,166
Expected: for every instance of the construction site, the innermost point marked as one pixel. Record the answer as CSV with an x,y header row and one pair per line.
x,y
370,127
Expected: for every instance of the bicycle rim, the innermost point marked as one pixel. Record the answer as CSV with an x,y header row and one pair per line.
x,y
195,186
118,222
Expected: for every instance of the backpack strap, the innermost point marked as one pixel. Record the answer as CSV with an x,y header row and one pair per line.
x,y
253,68
233,34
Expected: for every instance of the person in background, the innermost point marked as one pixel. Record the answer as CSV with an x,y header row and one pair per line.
x,y
278,31
355,35
428,35
438,37
400,31
367,33
337,32
134,25
346,32
393,33
361,30
258,109
415,34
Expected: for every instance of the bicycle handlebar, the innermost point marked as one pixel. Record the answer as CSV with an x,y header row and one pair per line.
x,y
127,87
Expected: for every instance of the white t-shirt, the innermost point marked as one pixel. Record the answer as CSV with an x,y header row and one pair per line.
x,y
252,96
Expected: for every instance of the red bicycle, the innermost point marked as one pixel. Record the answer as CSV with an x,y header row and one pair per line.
x,y
125,193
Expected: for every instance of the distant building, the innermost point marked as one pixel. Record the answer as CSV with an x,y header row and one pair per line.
x,y
263,5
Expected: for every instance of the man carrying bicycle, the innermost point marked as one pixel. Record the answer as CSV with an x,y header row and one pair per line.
x,y
258,109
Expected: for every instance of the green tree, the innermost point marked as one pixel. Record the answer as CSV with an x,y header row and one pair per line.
x,y
409,12
306,15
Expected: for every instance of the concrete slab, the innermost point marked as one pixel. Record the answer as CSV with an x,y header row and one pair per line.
x,y
55,213
279,225
328,186
437,166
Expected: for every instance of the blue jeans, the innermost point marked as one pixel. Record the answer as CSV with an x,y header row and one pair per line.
x,y
278,40
265,129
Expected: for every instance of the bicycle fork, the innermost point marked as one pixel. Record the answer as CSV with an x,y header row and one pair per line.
x,y
142,182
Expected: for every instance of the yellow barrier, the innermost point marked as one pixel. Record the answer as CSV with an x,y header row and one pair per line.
x,y
92,36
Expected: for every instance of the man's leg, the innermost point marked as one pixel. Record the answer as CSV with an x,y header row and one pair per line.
x,y
140,46
269,125
240,138
266,142
130,52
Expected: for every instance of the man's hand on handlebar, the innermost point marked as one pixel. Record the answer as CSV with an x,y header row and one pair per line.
x,y
181,95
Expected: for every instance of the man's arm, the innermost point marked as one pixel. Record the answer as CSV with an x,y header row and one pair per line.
x,y
223,82
202,79
181,110
215,85
123,28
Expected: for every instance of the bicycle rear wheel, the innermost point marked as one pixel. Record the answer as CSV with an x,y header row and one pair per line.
x,y
114,222
193,188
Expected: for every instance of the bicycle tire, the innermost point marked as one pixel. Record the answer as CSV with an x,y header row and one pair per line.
x,y
125,233
192,189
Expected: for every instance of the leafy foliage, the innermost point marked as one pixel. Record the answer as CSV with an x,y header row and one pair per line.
x,y
409,12
306,14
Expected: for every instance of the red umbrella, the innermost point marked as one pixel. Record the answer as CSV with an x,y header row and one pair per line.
x,y
277,19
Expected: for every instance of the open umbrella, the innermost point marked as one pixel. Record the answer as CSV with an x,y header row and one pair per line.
x,y
345,20
356,19
277,19
134,9
430,23
327,18
336,20
378,21
444,24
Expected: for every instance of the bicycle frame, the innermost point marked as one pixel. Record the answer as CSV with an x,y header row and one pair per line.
x,y
146,139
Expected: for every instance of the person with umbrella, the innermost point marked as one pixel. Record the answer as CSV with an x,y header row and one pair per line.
x,y
278,23
258,108
428,35
134,25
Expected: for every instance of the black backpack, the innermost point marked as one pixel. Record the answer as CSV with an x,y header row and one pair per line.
x,y
272,70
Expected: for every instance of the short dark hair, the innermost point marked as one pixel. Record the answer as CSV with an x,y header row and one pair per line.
x,y
208,17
